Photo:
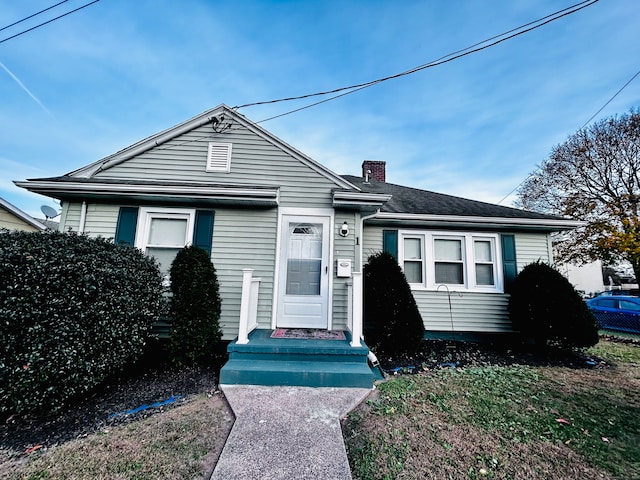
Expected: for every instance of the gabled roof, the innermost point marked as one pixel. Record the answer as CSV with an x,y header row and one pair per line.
x,y
21,215
218,114
412,206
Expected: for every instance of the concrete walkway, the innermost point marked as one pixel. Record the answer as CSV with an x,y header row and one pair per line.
x,y
286,433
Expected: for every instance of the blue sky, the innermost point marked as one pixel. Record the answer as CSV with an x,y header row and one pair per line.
x,y
100,79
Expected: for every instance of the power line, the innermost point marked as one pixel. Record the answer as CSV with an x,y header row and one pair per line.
x,y
445,59
610,100
34,15
49,21
584,125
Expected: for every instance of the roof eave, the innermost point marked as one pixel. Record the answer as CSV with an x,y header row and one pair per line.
x,y
22,215
429,220
359,200
233,195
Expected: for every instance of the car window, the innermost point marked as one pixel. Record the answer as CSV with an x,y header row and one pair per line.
x,y
628,305
608,302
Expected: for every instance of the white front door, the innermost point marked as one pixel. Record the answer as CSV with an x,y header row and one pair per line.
x,y
303,287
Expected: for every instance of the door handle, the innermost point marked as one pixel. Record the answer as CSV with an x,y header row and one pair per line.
x,y
326,269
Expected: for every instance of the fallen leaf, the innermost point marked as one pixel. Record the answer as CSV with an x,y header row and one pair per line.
x,y
605,439
563,421
30,450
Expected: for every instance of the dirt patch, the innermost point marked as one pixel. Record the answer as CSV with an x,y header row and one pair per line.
x,y
146,385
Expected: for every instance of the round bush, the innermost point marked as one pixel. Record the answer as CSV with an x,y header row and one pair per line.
x,y
546,308
195,306
73,310
392,321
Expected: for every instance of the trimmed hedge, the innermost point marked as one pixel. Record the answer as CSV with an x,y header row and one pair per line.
x,y
195,306
392,321
546,308
73,311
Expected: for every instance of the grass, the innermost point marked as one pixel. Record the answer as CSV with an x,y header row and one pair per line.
x,y
503,422
182,443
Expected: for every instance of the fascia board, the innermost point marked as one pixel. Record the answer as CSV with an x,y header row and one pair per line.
x,y
22,215
359,198
148,143
62,188
467,221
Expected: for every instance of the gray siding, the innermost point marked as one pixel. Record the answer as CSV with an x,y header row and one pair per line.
x,y
343,247
531,247
470,311
254,161
244,239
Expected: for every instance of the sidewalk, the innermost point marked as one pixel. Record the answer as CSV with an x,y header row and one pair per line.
x,y
286,433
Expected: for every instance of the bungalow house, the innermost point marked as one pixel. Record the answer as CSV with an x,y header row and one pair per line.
x,y
289,238
12,218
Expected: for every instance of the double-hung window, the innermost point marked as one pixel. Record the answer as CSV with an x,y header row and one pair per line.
x,y
460,261
413,259
162,232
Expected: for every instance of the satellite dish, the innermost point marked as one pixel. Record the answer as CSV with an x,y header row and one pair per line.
x,y
48,211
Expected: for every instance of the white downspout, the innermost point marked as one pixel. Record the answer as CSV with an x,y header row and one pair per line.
x,y
83,217
361,249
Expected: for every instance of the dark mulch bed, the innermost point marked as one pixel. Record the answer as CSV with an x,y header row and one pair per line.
x,y
437,354
154,380
151,381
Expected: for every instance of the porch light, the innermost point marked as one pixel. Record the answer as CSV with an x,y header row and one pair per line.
x,y
344,229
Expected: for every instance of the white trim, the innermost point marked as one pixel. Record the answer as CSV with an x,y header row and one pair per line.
x,y
303,212
25,217
428,237
461,221
147,214
219,157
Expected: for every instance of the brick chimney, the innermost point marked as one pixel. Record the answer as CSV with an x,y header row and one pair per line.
x,y
377,169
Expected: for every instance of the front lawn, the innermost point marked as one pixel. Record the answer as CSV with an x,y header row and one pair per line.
x,y
507,422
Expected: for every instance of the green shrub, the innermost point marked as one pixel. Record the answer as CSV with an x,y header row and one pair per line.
x,y
73,310
195,306
392,322
546,308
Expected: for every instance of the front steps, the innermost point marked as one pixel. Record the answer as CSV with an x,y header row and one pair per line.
x,y
288,362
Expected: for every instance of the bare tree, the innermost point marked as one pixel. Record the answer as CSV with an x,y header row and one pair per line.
x,y
595,177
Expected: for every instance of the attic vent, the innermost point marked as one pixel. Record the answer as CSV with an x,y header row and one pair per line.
x,y
219,157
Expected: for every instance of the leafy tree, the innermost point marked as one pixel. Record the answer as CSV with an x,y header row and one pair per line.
x,y
392,322
195,306
545,307
594,176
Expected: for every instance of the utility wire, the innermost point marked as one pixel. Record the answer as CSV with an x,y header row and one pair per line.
x,y
49,21
584,125
445,59
34,15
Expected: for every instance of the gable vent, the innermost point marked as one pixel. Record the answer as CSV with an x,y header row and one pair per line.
x,y
219,157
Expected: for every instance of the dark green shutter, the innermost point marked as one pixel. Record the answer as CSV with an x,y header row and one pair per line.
x,y
390,242
203,230
126,226
509,264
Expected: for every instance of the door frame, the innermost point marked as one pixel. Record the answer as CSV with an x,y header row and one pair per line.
x,y
284,212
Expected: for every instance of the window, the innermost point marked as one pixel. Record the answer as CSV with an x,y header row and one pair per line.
x,y
464,261
162,232
413,265
448,261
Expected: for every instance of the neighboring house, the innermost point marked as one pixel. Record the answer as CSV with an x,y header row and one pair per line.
x,y
586,278
289,237
12,218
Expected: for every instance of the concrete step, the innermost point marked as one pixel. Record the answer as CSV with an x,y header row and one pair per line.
x,y
287,372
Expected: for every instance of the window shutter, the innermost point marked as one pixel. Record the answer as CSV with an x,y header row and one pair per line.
x,y
203,230
509,264
126,226
390,242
